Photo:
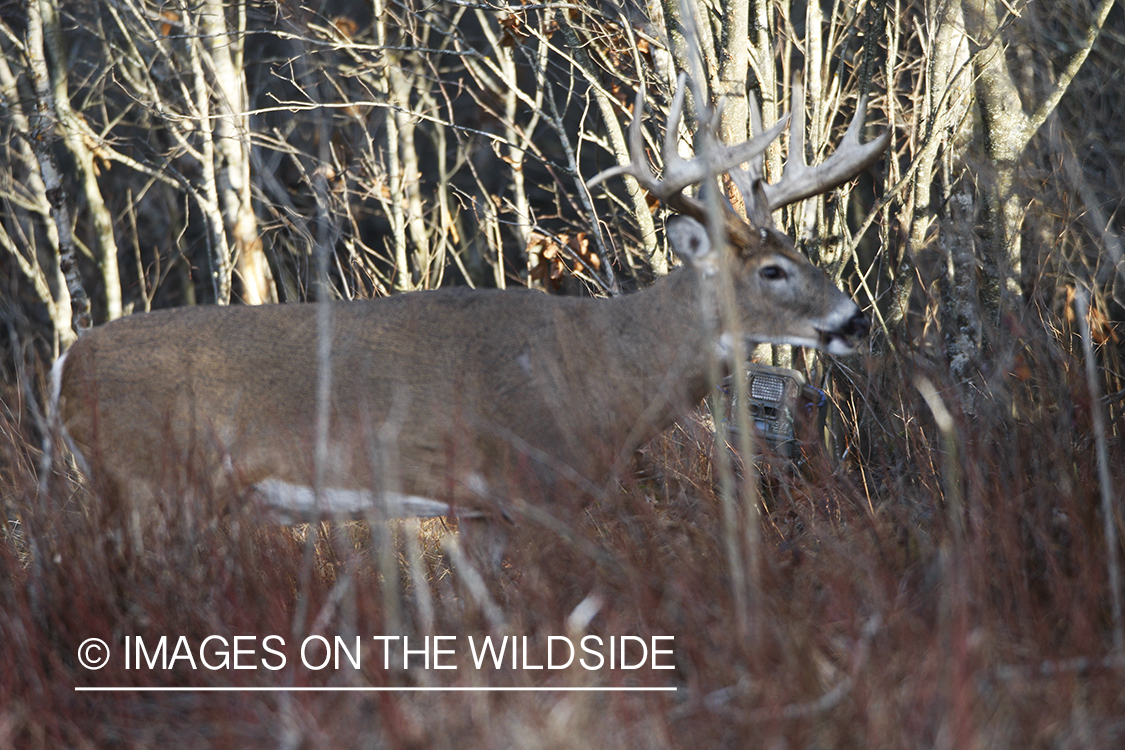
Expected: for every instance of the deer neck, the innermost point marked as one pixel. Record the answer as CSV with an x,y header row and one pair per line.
x,y
670,334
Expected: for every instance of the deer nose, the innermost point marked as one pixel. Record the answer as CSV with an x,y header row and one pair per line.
x,y
857,326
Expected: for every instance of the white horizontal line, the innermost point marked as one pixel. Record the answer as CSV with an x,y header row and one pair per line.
x,y
370,689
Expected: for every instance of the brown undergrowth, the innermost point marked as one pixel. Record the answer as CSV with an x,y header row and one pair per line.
x,y
926,589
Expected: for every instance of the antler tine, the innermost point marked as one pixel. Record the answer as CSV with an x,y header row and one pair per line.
x,y
672,158
638,166
757,166
749,180
800,181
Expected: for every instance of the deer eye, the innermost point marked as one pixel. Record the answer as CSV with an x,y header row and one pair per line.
x,y
772,273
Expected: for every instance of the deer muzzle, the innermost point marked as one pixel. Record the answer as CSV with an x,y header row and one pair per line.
x,y
843,338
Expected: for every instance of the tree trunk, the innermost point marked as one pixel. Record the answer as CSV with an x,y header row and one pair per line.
x,y
232,147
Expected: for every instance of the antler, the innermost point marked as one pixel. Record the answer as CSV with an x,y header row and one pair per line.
x,y
680,173
798,180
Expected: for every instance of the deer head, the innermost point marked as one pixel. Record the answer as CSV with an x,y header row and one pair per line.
x,y
784,299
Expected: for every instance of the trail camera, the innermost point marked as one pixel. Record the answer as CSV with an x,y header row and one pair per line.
x,y
777,397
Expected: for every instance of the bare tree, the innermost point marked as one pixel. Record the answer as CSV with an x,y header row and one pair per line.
x,y
1007,130
428,145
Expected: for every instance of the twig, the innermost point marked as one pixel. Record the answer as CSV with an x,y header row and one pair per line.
x,y
1109,517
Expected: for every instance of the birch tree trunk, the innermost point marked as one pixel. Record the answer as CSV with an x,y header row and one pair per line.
x,y
43,135
232,152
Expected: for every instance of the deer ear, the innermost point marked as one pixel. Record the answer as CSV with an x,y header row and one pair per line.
x,y
690,240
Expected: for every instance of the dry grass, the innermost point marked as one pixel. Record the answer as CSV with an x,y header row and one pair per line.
x,y
880,616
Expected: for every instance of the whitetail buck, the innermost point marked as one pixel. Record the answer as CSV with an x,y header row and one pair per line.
x,y
451,397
